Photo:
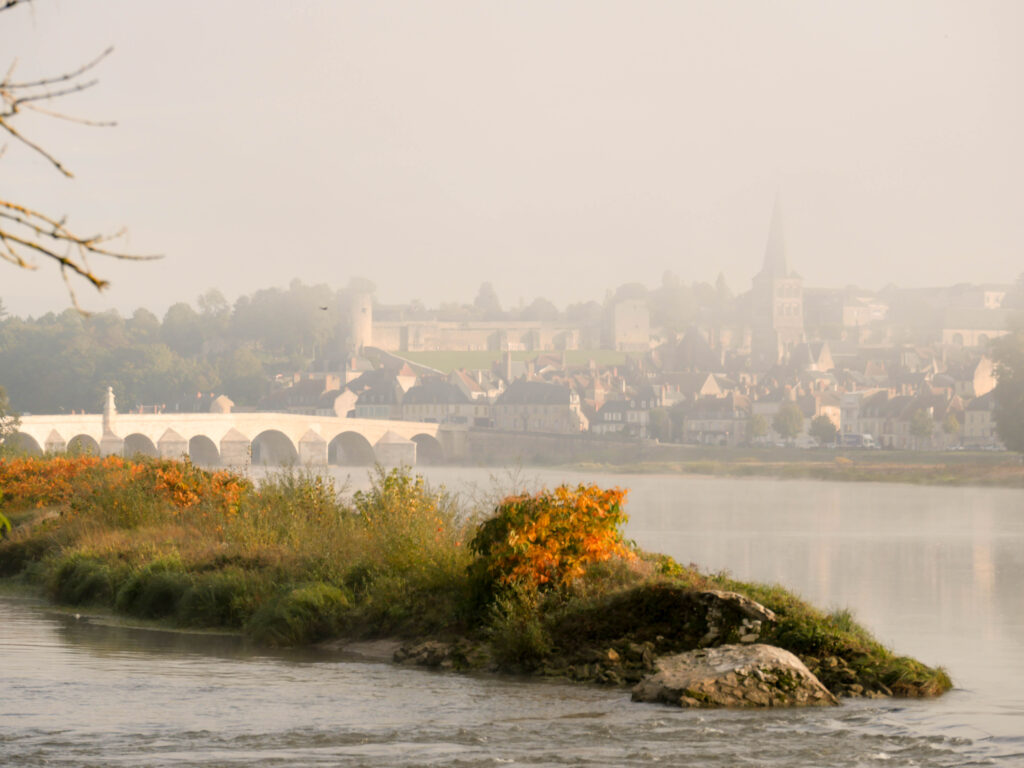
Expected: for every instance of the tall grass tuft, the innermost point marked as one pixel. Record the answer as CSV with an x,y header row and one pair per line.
x,y
159,539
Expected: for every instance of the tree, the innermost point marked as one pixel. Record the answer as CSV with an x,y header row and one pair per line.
x,y
1009,391
757,426
660,425
673,304
212,304
182,329
540,309
951,424
823,430
724,295
8,418
587,313
27,233
487,303
789,421
921,425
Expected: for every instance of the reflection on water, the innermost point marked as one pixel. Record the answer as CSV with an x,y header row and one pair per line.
x,y
934,572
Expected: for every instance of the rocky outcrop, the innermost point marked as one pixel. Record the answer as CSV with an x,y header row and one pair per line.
x,y
694,647
671,616
730,613
754,675
458,654
430,653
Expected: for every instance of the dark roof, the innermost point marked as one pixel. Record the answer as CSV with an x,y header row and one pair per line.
x,y
728,406
613,406
693,353
523,392
371,379
986,402
385,393
689,382
327,398
434,392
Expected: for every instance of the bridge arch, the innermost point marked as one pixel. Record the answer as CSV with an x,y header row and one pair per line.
x,y
351,449
428,449
22,442
83,444
138,444
203,452
271,446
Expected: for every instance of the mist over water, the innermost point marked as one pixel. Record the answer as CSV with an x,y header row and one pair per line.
x,y
934,572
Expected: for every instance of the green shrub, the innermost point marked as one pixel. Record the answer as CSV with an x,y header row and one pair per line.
x,y
155,591
17,554
216,600
304,614
516,630
79,580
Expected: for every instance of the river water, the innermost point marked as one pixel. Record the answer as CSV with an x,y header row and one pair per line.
x,y
937,573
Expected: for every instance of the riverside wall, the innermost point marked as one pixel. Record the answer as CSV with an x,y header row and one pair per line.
x,y
492,446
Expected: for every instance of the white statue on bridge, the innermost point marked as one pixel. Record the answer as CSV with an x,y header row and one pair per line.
x,y
109,411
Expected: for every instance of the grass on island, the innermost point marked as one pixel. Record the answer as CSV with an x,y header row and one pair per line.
x,y
542,583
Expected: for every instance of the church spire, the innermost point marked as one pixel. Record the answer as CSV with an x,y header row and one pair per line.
x,y
775,252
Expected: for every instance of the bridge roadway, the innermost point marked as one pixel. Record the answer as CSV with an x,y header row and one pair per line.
x,y
238,439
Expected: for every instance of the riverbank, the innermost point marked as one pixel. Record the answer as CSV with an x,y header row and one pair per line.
x,y
555,592
857,468
585,452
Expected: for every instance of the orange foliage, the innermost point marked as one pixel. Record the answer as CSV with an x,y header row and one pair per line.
x,y
549,538
57,480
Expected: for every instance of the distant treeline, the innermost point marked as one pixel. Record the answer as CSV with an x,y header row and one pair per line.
x,y
64,362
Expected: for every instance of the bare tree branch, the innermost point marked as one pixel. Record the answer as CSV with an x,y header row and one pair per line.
x,y
62,78
27,234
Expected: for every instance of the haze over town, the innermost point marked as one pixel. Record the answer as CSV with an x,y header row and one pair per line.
x,y
554,150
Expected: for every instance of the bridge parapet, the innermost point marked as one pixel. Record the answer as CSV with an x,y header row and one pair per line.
x,y
234,438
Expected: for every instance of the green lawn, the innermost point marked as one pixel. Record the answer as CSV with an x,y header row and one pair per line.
x,y
447,361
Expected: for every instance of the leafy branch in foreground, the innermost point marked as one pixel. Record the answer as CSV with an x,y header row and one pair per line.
x,y
26,233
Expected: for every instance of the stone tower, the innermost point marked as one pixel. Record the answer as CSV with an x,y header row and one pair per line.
x,y
777,303
361,322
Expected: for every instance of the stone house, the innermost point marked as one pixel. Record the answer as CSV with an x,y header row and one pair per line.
x,y
382,400
438,401
973,379
611,419
537,406
974,327
689,386
337,402
979,428
630,416
717,420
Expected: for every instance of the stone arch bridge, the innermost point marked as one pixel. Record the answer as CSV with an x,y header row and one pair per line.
x,y
238,439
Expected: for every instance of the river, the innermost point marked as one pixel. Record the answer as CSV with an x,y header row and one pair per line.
x,y
936,573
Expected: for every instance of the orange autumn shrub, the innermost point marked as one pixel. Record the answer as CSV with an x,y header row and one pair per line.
x,y
547,540
186,485
41,482
87,482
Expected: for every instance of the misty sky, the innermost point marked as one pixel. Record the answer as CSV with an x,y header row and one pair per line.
x,y
552,148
